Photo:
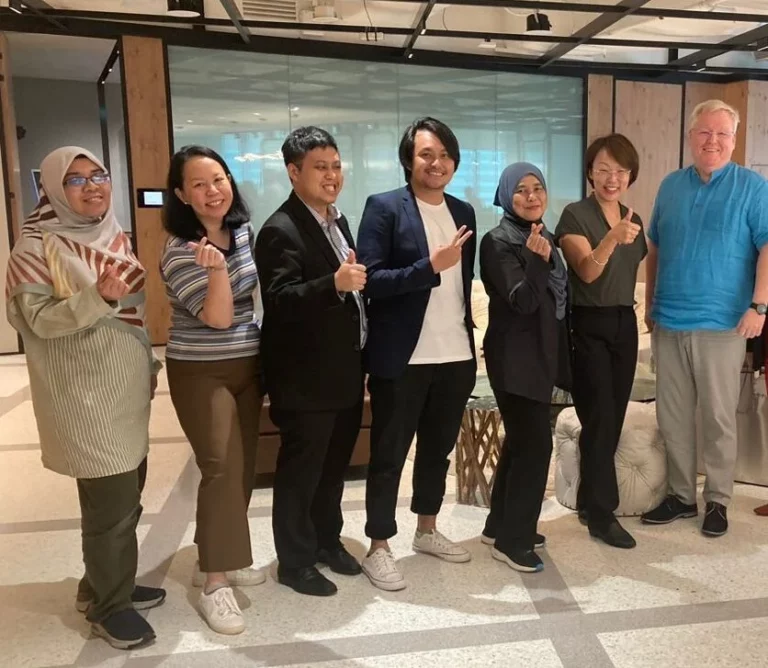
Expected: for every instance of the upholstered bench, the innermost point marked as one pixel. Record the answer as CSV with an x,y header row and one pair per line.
x,y
641,465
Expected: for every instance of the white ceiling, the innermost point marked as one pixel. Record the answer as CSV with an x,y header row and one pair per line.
x,y
78,59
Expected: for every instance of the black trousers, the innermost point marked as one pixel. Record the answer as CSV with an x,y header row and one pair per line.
x,y
315,449
605,356
110,509
427,401
521,474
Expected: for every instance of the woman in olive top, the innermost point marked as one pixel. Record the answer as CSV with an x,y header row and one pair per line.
x,y
603,243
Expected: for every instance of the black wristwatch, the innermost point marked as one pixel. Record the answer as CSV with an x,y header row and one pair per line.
x,y
761,309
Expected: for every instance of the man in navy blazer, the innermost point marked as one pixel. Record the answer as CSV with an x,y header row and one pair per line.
x,y
418,245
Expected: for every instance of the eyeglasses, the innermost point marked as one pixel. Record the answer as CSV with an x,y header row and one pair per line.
x,y
704,135
618,173
80,181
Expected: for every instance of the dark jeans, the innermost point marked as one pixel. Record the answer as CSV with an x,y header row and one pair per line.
x,y
521,474
427,401
110,509
315,449
605,356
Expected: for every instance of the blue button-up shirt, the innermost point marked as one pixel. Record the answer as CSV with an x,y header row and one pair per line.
x,y
708,237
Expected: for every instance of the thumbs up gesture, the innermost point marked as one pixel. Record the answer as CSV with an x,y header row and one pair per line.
x,y
626,231
539,244
350,276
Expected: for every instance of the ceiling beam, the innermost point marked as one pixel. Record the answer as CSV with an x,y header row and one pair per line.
x,y
418,28
587,8
234,15
592,29
119,19
41,8
746,38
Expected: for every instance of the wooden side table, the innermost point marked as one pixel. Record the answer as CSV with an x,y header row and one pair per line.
x,y
477,451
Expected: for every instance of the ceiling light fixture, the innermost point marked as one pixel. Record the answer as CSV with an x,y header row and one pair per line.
x,y
185,9
15,6
538,24
487,43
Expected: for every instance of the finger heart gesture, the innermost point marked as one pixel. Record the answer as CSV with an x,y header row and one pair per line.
x,y
208,256
538,244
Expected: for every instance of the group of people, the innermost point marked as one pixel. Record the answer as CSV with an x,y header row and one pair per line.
x,y
392,306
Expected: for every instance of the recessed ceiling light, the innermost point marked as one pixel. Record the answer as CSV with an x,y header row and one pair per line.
x,y
256,113
184,9
189,120
295,108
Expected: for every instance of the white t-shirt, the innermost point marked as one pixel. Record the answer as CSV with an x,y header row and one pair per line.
x,y
444,336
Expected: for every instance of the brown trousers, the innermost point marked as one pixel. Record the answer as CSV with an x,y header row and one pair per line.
x,y
218,405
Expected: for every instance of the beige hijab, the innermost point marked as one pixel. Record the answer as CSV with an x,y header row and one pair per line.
x,y
61,252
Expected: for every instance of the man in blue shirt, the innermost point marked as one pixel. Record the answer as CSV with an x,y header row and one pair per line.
x,y
706,292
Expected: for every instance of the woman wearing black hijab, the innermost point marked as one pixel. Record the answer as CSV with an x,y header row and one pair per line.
x,y
526,353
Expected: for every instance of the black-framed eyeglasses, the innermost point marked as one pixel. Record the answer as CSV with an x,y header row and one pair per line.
x,y
80,181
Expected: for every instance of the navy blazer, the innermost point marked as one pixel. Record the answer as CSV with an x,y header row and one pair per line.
x,y
392,244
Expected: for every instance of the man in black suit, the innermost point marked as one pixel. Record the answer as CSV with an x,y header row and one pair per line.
x,y
313,331
419,247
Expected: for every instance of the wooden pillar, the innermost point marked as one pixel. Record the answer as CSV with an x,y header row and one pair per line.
x,y
10,142
148,129
599,106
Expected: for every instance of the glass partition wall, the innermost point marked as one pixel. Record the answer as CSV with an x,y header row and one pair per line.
x,y
243,105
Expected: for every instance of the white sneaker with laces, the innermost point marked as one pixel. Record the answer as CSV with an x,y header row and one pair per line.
x,y
243,577
382,571
438,545
221,611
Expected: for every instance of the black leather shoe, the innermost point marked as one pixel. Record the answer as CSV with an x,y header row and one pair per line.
x,y
715,520
340,561
583,516
306,580
669,510
613,534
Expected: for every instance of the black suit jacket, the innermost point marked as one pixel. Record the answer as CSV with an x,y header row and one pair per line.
x,y
527,349
393,246
310,337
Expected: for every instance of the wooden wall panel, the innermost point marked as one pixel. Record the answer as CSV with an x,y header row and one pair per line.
x,y
650,115
756,127
10,143
737,95
144,82
599,106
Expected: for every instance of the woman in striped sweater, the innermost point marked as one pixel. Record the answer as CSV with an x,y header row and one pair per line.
x,y
213,367
75,293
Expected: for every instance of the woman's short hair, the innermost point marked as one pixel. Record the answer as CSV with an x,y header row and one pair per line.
x,y
180,219
620,149
437,128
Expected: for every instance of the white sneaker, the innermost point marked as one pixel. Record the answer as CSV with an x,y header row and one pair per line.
x,y
243,577
435,543
221,611
381,569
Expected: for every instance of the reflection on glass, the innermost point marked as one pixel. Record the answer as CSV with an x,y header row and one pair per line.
x,y
244,104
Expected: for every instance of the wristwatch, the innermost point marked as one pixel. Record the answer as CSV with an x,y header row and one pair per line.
x,y
761,309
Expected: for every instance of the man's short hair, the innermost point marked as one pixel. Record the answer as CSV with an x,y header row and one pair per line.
x,y
437,128
711,106
303,140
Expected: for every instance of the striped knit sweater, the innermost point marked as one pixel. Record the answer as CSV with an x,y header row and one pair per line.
x,y
187,285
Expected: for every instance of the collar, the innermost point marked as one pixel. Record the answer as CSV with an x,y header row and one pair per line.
x,y
334,210
715,175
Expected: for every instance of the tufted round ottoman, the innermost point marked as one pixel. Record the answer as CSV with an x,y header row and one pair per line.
x,y
641,463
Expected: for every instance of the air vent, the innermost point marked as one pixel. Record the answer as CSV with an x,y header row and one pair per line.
x,y
270,10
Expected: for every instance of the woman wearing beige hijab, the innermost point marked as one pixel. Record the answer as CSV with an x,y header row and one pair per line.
x,y
74,292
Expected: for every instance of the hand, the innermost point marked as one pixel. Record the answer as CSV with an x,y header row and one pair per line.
x,y
445,257
649,322
110,286
539,244
751,324
152,386
208,256
626,231
350,276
